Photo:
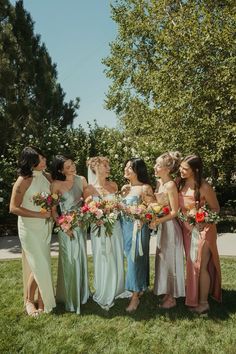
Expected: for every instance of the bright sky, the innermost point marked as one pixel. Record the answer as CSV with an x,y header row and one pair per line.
x,y
77,35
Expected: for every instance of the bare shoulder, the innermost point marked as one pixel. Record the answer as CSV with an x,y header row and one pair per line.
x,y
22,184
55,186
84,181
147,188
113,186
206,187
171,186
89,189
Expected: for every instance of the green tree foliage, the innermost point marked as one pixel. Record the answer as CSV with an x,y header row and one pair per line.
x,y
30,95
172,68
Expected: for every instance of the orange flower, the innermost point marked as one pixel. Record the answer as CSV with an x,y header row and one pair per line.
x,y
200,216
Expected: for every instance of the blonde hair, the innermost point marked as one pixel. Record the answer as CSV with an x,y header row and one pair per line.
x,y
95,161
171,160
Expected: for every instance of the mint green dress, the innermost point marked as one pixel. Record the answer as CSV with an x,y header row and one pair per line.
x,y
108,261
35,236
72,282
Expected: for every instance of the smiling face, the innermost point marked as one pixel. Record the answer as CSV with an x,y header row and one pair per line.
x,y
185,170
160,169
69,168
42,164
103,169
129,172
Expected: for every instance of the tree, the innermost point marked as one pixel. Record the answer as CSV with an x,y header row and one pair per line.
x,y
172,68
30,95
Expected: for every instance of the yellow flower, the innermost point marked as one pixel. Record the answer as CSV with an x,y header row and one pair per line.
x,y
43,210
55,196
156,207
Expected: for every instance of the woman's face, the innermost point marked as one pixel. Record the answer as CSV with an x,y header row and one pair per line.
x,y
42,164
185,170
159,168
129,172
69,168
103,169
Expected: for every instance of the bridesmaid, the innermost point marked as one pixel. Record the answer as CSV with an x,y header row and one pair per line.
x,y
136,236
34,231
169,265
203,273
108,251
72,282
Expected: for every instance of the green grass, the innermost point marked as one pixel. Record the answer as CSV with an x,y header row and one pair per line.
x,y
149,330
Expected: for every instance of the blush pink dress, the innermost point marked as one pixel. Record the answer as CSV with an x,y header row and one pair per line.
x,y
207,236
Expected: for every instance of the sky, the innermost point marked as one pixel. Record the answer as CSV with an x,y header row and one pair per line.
x,y
77,35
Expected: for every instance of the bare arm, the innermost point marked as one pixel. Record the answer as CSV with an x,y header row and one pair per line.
x,y
174,203
18,192
210,196
147,194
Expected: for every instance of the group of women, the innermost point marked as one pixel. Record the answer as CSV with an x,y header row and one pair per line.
x,y
129,239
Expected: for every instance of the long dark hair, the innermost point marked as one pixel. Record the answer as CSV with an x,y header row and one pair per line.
x,y
57,167
195,163
140,168
29,158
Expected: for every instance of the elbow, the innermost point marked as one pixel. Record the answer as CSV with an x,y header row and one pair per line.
x,y
13,210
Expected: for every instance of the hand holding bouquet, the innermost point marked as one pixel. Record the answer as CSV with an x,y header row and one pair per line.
x,y
199,215
46,200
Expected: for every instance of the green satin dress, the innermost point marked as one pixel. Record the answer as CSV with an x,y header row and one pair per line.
x,y
72,282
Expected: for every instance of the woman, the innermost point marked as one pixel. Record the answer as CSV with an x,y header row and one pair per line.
x,y
72,282
203,273
34,229
107,251
169,265
136,236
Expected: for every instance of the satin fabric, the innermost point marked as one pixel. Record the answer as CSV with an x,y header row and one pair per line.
x,y
207,236
136,248
35,237
72,282
108,261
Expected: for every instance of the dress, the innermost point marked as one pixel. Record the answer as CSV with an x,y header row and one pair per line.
x,y
35,237
72,281
108,261
207,235
169,263
136,248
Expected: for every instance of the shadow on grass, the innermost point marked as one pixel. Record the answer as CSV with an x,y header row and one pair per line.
x,y
148,309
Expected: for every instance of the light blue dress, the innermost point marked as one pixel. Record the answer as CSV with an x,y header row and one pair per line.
x,y
136,248
72,282
108,261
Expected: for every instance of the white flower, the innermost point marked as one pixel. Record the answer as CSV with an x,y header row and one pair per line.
x,y
75,139
1,199
1,179
24,128
62,146
125,149
31,136
116,156
124,139
66,144
119,143
23,134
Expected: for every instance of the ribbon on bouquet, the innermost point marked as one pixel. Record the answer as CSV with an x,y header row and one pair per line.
x,y
195,236
136,233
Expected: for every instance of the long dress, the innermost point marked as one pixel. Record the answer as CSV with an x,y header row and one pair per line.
x,y
207,236
72,281
136,248
169,263
108,261
35,237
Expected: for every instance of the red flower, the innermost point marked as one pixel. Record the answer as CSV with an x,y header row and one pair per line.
x,y
85,208
166,210
49,199
200,216
148,216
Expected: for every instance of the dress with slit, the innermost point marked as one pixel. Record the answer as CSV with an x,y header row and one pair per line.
x,y
207,236
72,281
108,261
35,238
169,262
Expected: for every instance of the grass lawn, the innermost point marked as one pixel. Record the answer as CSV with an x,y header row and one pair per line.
x,y
149,330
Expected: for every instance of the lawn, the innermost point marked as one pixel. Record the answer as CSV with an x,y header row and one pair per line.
x,y
149,330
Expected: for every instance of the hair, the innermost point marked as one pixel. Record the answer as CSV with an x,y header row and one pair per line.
x,y
195,163
57,167
29,158
95,161
139,167
171,160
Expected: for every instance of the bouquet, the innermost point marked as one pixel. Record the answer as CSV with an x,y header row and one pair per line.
x,y
46,200
67,222
145,213
100,213
198,215
156,210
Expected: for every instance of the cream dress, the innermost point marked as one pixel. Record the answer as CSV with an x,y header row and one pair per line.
x,y
35,237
